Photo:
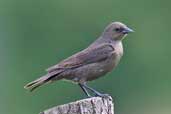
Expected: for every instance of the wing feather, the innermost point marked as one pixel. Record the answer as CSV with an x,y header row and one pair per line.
x,y
87,56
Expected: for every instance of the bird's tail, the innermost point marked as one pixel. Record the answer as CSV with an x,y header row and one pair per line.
x,y
40,81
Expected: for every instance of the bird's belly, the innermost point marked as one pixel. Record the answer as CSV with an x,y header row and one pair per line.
x,y
92,71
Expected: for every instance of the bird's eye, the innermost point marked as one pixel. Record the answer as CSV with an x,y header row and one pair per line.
x,y
117,29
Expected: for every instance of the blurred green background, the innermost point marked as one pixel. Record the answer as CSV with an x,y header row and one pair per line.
x,y
35,34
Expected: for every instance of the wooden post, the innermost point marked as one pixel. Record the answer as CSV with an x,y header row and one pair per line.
x,y
94,105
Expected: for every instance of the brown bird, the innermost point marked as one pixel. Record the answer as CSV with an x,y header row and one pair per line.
x,y
99,58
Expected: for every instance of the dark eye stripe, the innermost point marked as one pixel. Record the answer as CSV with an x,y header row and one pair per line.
x,y
118,29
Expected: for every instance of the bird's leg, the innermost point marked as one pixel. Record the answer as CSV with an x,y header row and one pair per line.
x,y
94,91
84,90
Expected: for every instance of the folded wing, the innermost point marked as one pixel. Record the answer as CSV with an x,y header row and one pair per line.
x,y
87,56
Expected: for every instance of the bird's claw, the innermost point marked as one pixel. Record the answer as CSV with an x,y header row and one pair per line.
x,y
102,95
89,96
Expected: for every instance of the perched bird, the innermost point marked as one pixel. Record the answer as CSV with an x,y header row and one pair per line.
x,y
99,58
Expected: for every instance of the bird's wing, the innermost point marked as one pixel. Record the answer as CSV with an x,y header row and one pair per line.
x,y
87,56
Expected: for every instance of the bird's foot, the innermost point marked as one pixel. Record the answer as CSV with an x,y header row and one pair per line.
x,y
88,96
102,95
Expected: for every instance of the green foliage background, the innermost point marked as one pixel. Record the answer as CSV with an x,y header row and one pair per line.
x,y
35,34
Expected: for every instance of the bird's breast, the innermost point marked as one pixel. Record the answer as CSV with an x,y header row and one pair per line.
x,y
116,56
118,48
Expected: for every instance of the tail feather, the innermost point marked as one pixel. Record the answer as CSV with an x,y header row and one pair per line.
x,y
43,80
34,84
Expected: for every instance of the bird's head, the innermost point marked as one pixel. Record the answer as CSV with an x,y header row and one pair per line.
x,y
116,31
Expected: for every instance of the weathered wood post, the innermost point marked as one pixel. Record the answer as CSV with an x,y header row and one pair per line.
x,y
94,105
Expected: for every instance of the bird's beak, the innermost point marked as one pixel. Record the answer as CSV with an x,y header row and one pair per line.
x,y
127,30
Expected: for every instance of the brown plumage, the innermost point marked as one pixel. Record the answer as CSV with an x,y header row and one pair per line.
x,y
93,62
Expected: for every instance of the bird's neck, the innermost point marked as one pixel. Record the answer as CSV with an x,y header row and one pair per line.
x,y
108,40
101,40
